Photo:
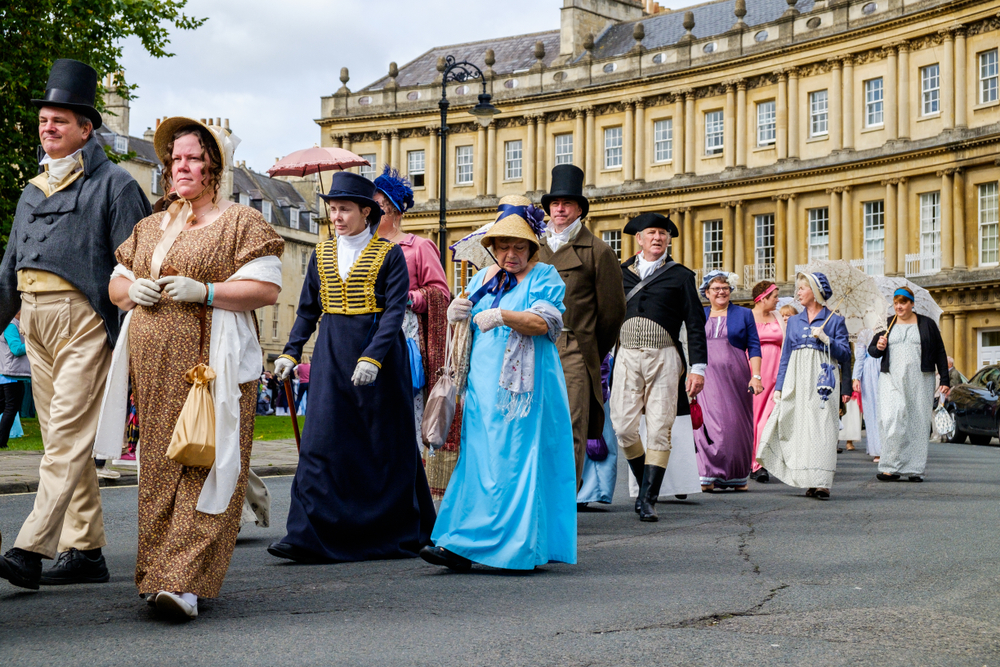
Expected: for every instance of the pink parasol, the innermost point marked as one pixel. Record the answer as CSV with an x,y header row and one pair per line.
x,y
314,161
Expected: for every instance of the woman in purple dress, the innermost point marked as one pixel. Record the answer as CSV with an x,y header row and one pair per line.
x,y
725,444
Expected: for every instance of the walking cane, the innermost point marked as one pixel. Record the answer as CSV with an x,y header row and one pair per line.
x,y
292,410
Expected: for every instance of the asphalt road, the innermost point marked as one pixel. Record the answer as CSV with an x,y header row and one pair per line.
x,y
882,574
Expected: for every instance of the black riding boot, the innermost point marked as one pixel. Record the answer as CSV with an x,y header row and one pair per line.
x,y
652,478
637,464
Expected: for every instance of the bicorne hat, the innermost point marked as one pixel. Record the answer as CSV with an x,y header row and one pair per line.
x,y
647,220
355,188
72,85
567,183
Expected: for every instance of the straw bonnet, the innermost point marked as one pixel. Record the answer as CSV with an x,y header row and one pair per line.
x,y
170,126
511,222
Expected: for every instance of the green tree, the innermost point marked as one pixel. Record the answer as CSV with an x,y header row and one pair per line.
x,y
33,34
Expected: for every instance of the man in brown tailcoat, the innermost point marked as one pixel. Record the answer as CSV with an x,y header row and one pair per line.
x,y
595,302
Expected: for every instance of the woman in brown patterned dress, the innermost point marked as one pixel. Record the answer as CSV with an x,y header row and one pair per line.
x,y
187,534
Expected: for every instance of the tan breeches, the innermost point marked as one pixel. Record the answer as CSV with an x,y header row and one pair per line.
x,y
69,354
579,389
645,382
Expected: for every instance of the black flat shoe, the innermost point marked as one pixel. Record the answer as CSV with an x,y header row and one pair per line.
x,y
76,567
763,476
21,568
297,554
916,478
884,477
821,494
444,558
681,496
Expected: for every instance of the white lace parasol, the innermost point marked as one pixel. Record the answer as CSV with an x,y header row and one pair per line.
x,y
469,249
923,303
856,297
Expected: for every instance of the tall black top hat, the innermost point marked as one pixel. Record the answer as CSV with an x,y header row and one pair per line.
x,y
567,183
72,85
355,188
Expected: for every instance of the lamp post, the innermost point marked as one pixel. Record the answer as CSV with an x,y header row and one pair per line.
x,y
484,112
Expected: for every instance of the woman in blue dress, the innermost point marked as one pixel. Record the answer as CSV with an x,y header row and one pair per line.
x,y
511,502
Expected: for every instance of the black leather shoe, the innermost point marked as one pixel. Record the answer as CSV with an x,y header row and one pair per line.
x,y
637,465
21,568
297,554
763,476
75,567
445,558
652,478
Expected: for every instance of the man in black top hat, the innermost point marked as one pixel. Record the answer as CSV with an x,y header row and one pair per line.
x,y
594,301
60,254
649,366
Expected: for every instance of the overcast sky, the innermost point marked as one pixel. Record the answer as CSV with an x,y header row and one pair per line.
x,y
264,64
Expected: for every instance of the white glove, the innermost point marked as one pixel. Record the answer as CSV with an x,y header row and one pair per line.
x,y
144,292
459,310
488,319
817,332
776,396
180,288
364,373
283,368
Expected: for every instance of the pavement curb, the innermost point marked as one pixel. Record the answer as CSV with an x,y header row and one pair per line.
x,y
131,479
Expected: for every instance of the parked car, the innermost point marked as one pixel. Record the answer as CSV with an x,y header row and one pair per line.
x,y
976,407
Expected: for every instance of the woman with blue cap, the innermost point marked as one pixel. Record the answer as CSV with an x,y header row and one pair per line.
x,y
799,442
906,388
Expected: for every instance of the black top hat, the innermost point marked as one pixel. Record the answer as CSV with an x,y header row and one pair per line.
x,y
355,188
567,183
72,85
647,220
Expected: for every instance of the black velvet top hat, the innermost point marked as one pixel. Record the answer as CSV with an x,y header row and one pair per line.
x,y
355,188
647,220
72,85
567,183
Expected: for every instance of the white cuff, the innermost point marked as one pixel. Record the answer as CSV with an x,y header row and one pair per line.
x,y
698,369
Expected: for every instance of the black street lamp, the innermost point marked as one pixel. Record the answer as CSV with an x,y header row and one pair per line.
x,y
484,112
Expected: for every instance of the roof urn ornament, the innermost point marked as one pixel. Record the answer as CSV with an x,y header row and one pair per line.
x,y
588,45
639,34
393,73
688,26
490,59
791,11
740,11
539,57
345,76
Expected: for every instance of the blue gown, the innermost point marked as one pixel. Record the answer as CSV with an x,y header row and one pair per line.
x,y
511,502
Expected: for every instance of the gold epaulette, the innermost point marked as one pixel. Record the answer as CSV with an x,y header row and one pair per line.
x,y
356,295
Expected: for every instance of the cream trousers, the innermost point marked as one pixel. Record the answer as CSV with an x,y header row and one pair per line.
x,y
69,354
646,382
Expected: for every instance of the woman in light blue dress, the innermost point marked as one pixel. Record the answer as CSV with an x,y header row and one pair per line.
x,y
511,502
866,370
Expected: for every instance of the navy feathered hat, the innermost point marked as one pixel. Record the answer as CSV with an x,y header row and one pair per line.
x,y
396,187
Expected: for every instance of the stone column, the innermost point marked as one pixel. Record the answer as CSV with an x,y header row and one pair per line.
x,y
903,94
727,237
793,113
834,223
947,238
847,247
780,231
345,143
741,123
948,82
591,150
739,243
492,162
961,345
961,94
891,233
958,215
834,106
781,112
541,151
479,176
527,157
640,140
628,143
791,240
948,333
579,140
394,161
729,128
902,224
384,155
688,236
690,142
848,105
890,95
680,129
431,164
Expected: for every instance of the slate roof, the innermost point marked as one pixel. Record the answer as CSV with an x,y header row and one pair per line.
x,y
143,149
512,54
709,19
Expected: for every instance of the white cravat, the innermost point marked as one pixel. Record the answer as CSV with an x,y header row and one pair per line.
x,y
349,249
646,268
61,167
557,240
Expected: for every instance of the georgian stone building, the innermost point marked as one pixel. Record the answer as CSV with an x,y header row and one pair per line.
x,y
773,132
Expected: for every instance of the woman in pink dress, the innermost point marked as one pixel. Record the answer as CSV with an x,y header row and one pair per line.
x,y
771,331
